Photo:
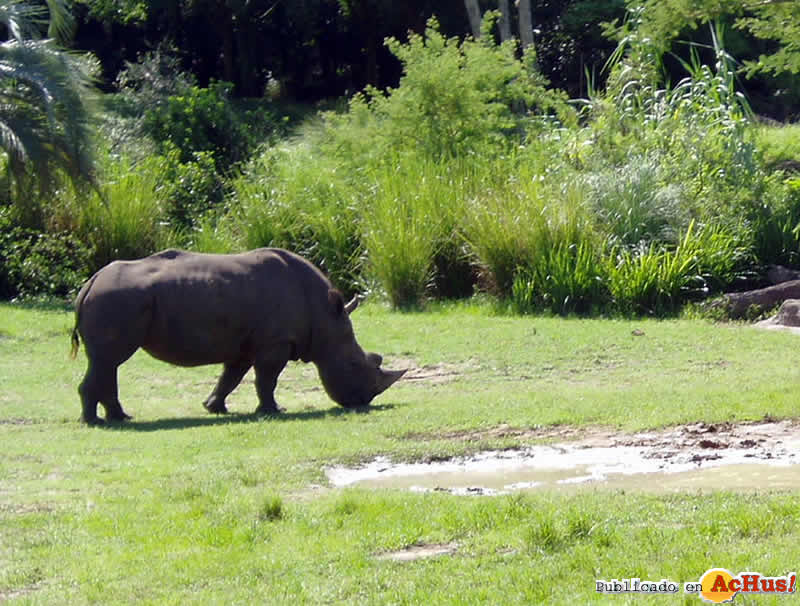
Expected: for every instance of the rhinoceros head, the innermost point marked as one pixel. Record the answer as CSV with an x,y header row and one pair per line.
x,y
351,376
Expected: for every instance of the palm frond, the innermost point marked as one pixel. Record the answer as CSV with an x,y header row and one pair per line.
x,y
45,91
62,23
46,98
23,20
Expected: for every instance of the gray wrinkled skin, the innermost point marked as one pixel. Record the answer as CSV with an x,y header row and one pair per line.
x,y
258,310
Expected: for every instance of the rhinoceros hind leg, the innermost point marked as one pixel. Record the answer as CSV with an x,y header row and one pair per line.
x,y
89,391
92,422
100,385
232,375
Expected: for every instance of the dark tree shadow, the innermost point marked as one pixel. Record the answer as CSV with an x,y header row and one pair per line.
x,y
234,418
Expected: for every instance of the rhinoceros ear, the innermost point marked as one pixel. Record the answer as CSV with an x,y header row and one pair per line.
x,y
336,301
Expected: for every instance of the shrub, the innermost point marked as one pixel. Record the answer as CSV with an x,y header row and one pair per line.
x,y
400,240
410,226
455,98
632,205
188,189
200,120
521,223
36,263
214,235
271,509
770,223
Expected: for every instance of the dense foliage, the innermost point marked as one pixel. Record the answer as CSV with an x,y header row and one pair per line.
x,y
472,173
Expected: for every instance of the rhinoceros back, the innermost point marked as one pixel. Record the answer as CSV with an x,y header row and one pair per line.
x,y
192,308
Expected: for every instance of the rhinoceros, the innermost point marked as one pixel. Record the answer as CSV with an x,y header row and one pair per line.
x,y
256,309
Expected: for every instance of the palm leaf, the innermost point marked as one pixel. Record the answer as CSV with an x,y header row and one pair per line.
x,y
45,111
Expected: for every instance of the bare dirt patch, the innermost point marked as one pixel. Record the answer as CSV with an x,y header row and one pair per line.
x,y
761,455
20,421
503,431
418,552
12,594
432,373
25,508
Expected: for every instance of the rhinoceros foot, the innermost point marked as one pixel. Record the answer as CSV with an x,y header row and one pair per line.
x,y
268,411
115,414
215,406
93,421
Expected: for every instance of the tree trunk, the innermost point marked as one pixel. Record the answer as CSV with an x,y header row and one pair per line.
x,y
226,31
525,23
505,20
474,14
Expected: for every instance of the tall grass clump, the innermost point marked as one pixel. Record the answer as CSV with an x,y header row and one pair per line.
x,y
290,198
654,279
400,246
214,234
410,222
770,224
695,134
632,204
128,222
536,246
563,279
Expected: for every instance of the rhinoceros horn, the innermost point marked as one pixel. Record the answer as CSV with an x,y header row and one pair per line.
x,y
351,306
386,378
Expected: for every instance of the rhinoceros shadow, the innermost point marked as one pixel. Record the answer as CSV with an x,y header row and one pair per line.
x,y
234,418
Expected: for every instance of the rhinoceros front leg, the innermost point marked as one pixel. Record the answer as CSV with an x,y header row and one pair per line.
x,y
267,372
232,375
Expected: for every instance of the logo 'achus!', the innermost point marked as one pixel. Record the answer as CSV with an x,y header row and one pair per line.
x,y
719,585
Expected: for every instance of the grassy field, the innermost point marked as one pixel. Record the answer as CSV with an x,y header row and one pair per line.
x,y
179,507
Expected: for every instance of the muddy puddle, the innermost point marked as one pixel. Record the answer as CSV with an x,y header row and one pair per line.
x,y
698,457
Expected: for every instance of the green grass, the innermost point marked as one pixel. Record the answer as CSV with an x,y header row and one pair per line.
x,y
779,145
179,507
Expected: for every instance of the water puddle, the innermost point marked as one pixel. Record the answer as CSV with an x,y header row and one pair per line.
x,y
697,457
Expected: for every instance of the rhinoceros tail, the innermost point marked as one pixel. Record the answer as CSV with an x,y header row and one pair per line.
x,y
78,304
75,343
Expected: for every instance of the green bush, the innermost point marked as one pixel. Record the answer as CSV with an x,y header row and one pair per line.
x,y
770,222
519,223
201,120
411,223
455,98
213,234
632,205
188,189
36,263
